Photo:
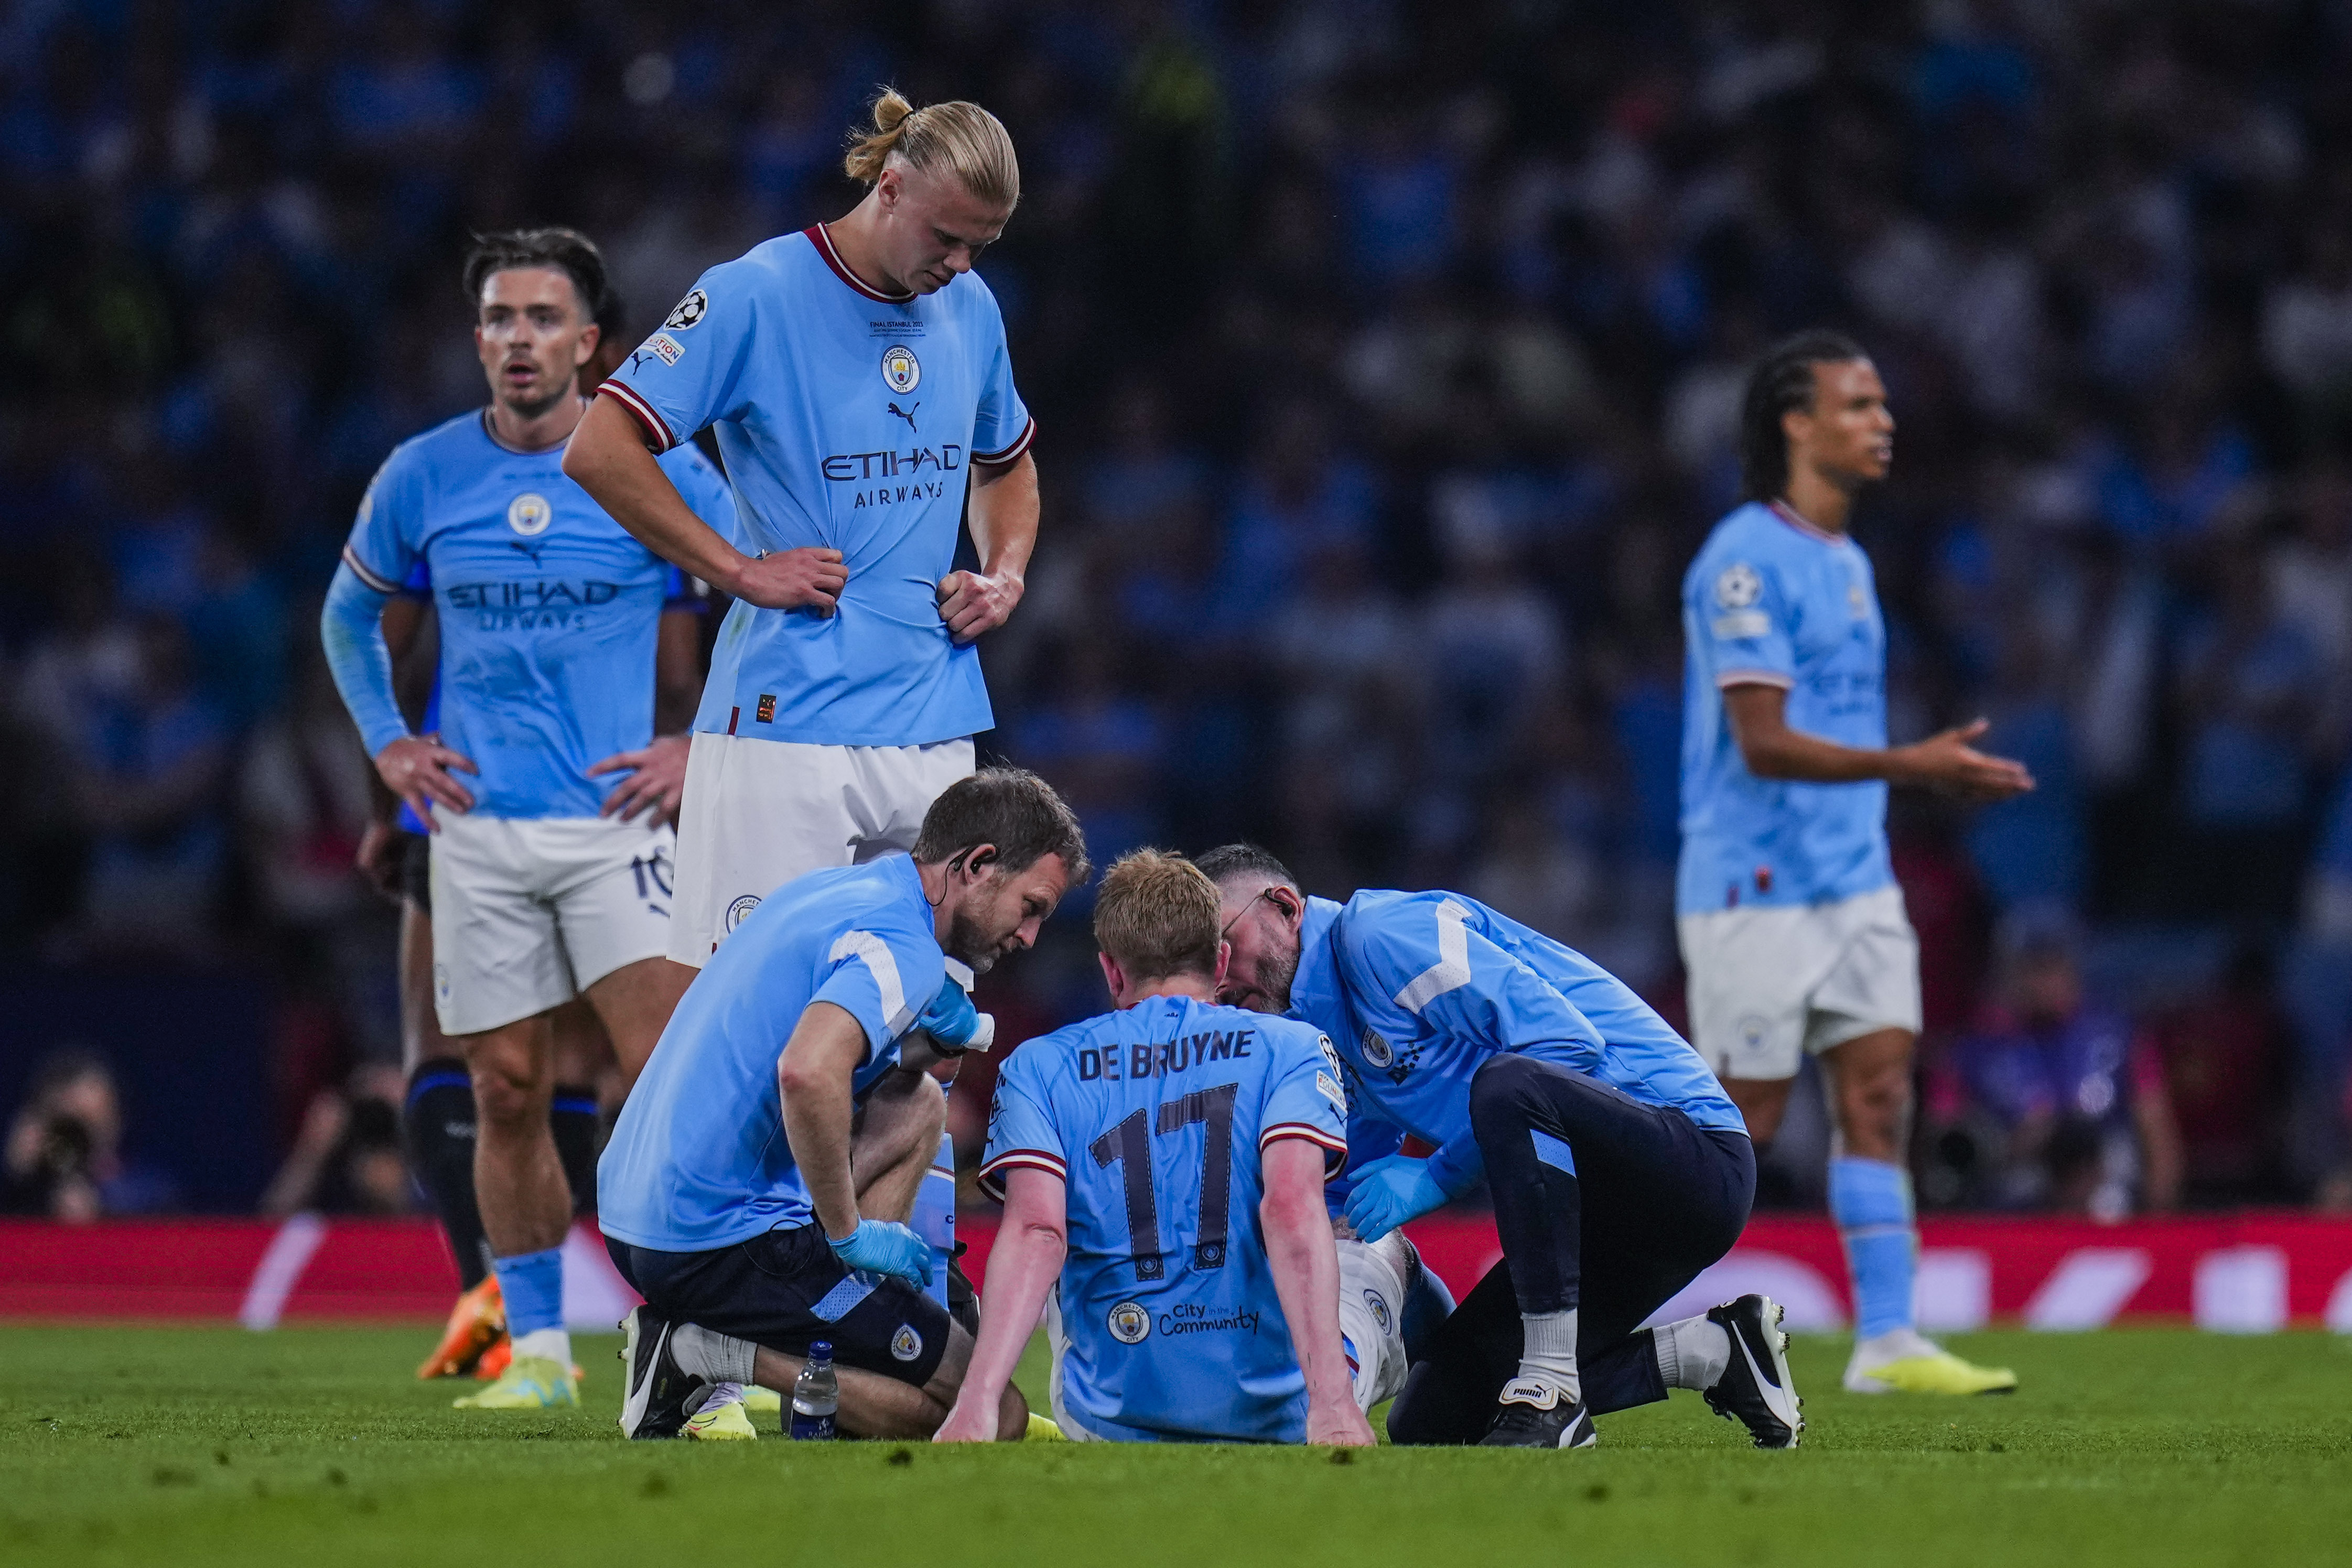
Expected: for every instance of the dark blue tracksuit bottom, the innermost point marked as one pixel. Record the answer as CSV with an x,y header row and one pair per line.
x,y
1603,1204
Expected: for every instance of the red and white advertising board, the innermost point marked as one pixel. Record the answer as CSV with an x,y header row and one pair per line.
x,y
2246,1273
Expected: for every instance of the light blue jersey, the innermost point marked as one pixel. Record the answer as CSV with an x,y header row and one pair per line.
x,y
848,418
1771,600
699,1159
680,593
1156,1118
1418,988
549,611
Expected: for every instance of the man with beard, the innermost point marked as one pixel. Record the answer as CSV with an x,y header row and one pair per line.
x,y
1618,1168
758,1199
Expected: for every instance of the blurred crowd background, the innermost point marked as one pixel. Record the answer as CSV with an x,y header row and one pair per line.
x,y
1386,356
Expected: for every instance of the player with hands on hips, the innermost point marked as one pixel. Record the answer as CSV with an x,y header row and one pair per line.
x,y
857,379
548,884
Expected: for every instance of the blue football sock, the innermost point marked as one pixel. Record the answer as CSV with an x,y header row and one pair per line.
x,y
533,1284
1870,1201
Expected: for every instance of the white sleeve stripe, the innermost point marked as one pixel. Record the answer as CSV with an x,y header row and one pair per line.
x,y
863,945
361,569
1020,444
1452,970
1752,678
646,414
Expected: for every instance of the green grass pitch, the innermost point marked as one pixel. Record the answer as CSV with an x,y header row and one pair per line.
x,y
314,1446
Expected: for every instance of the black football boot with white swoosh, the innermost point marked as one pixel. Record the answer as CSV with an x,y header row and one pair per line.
x,y
1755,1388
658,1394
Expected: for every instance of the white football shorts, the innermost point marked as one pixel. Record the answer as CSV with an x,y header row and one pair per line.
x,y
527,913
1768,984
1372,1317
757,813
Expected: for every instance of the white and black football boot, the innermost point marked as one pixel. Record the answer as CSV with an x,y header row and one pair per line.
x,y
660,1395
1535,1414
1756,1388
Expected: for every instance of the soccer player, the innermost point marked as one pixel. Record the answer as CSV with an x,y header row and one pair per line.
x,y
857,376
438,1121
1793,928
757,1197
1618,1168
1161,1168
547,882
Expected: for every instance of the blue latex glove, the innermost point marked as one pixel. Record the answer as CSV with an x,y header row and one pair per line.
x,y
950,1019
1388,1192
886,1246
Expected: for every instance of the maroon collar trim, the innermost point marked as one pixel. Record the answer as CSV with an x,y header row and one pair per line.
x,y
822,238
1804,525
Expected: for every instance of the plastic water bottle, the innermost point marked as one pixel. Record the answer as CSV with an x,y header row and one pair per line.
x,y
816,1394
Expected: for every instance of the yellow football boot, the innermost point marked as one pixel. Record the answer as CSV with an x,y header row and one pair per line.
x,y
727,1423
1905,1362
528,1383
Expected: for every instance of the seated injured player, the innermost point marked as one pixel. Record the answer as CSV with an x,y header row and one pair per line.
x,y
757,1197
1161,1168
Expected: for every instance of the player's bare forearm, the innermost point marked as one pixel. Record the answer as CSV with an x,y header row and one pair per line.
x,y
608,458
1305,1261
814,1077
1022,1266
1758,718
1003,512
1005,509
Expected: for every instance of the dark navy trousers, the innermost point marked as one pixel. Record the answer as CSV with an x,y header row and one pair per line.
x,y
1603,1204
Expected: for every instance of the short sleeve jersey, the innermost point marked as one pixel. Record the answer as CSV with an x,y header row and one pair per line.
x,y
1772,600
680,593
699,1159
549,609
1417,989
850,418
1156,1118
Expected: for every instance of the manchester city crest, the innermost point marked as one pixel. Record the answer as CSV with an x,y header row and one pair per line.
x,y
901,371
530,514
1376,1050
1379,1309
905,1344
1129,1323
742,907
